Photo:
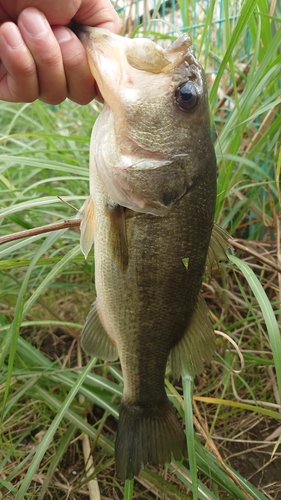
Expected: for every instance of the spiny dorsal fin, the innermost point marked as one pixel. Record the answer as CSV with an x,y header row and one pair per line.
x,y
118,234
196,346
219,244
94,338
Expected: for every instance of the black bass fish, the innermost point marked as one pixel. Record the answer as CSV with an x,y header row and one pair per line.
x,y
150,216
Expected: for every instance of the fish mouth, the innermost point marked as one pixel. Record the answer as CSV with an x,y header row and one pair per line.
x,y
116,62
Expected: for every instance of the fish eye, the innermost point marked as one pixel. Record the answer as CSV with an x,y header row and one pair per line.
x,y
186,96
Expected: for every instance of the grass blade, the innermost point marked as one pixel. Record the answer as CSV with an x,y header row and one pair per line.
x,y
267,311
129,489
52,429
187,383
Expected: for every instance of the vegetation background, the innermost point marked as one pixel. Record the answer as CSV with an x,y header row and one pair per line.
x,y
58,415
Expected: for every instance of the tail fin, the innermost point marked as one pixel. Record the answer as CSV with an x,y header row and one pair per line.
x,y
147,435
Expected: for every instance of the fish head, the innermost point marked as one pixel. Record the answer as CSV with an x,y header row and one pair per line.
x,y
156,109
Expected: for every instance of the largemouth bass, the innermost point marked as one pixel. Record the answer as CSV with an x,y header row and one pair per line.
x,y
150,216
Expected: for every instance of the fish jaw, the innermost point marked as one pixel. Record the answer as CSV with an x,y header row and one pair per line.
x,y
113,59
143,143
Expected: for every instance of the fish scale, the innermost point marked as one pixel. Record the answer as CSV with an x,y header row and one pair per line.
x,y
150,217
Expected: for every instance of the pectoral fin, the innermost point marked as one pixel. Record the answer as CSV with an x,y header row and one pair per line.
x,y
196,346
118,234
87,227
94,338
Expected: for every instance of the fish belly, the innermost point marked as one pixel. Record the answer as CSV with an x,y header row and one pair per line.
x,y
146,307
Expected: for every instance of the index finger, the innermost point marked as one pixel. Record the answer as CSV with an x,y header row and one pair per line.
x,y
99,13
18,78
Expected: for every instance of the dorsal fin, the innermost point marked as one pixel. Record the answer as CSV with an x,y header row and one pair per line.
x,y
219,244
196,346
198,343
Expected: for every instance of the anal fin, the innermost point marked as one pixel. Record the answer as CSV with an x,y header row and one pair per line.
x,y
94,338
196,346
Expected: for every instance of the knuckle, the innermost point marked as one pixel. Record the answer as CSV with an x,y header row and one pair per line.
x,y
81,99
53,99
27,72
23,84
50,60
20,94
74,60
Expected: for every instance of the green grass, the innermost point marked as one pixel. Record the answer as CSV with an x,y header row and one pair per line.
x,y
48,388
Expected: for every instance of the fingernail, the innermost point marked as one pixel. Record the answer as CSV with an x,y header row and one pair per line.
x,y
62,34
34,22
12,36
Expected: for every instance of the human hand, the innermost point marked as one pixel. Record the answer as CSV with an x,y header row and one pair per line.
x,y
40,57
